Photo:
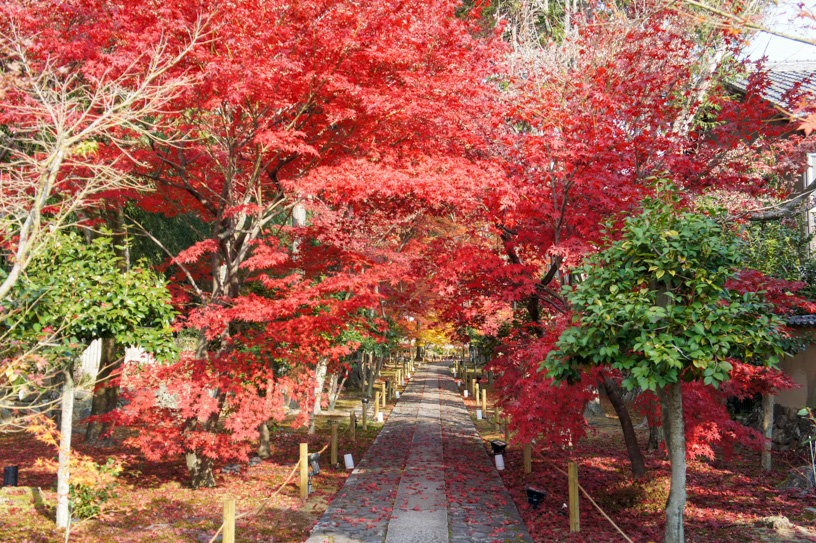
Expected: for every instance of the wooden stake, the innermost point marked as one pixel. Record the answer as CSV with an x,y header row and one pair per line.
x,y
384,396
484,402
365,416
574,514
352,426
528,458
334,443
377,405
304,471
229,521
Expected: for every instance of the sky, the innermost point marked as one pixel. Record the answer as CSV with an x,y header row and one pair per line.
x,y
782,20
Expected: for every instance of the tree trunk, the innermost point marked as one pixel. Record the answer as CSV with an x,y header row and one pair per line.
x,y
612,390
199,465
676,439
664,416
264,450
767,430
335,388
106,394
63,471
320,380
593,408
654,438
374,373
201,470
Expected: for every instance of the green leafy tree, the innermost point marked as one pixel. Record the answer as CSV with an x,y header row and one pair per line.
x,y
72,294
654,305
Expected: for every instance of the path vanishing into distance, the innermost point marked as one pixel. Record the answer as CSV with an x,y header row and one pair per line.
x,y
426,479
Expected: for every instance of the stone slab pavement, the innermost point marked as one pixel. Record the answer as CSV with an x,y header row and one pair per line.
x,y
425,479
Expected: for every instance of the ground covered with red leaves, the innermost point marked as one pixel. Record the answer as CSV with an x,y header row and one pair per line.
x,y
155,503
727,497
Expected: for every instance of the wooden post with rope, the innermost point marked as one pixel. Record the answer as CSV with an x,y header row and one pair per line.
x,y
304,471
574,513
229,521
528,458
333,442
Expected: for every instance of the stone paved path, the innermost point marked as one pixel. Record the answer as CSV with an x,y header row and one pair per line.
x,y
426,478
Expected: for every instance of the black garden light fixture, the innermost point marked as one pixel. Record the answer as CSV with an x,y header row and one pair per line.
x,y
10,475
535,496
498,446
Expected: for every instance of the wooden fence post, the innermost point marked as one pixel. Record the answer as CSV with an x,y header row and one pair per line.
x,y
365,416
383,396
229,521
484,403
334,443
353,426
574,514
377,405
304,471
528,458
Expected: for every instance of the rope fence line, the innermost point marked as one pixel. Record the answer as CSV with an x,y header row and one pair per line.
x,y
598,507
261,506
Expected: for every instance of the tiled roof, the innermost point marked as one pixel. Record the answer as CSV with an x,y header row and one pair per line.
x,y
782,77
802,321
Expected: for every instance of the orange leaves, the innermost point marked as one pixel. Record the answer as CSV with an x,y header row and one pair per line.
x,y
83,470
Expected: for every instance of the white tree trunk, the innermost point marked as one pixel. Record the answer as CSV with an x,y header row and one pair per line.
x,y
676,504
320,380
63,472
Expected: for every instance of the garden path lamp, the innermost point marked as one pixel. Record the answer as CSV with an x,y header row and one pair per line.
x,y
498,446
535,496
314,467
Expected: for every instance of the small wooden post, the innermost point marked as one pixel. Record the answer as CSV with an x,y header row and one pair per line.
x,y
383,396
334,443
574,514
496,418
304,471
353,426
476,392
229,521
528,458
377,405
365,416
484,403
399,377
